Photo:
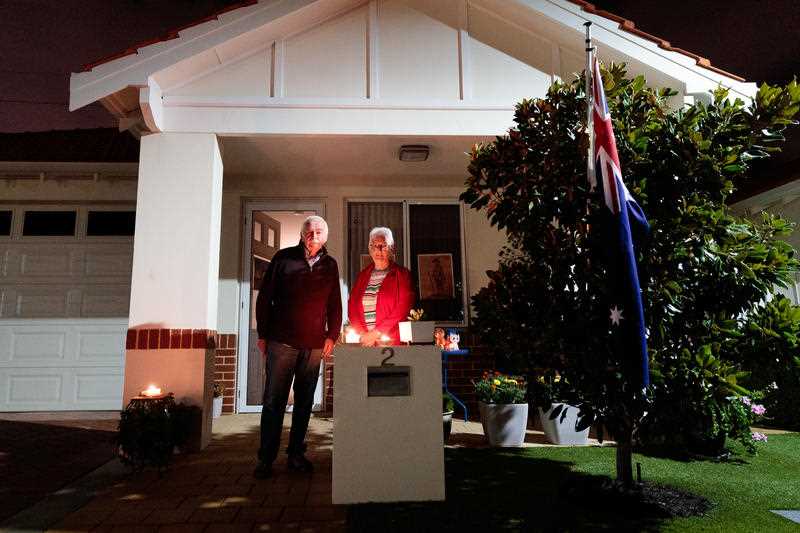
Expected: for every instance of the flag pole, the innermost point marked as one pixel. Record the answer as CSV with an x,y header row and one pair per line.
x,y
589,122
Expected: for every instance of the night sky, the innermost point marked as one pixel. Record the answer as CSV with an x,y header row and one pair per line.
x,y
42,41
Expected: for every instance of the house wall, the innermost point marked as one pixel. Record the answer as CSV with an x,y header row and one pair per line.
x,y
482,242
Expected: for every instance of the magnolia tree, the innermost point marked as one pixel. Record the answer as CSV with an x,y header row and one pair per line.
x,y
704,271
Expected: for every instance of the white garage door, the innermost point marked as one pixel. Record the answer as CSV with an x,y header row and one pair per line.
x,y
64,297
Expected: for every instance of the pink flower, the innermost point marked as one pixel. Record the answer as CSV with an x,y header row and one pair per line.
x,y
759,437
758,409
745,400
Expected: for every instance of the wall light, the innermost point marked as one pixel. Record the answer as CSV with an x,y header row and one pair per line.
x,y
414,152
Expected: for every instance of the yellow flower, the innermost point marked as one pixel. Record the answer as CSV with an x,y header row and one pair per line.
x,y
514,381
556,379
496,382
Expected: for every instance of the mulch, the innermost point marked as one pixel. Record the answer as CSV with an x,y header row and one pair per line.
x,y
40,457
642,500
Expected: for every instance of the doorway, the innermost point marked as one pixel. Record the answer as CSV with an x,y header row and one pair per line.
x,y
270,225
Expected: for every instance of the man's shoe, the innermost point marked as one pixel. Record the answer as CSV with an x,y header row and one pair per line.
x,y
299,463
263,471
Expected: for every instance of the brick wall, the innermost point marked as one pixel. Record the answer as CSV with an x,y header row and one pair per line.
x,y
225,371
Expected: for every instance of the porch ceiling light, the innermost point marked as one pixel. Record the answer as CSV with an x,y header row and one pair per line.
x,y
414,152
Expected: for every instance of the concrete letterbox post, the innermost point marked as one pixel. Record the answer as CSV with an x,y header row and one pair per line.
x,y
387,425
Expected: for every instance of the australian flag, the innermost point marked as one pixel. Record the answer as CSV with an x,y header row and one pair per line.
x,y
625,221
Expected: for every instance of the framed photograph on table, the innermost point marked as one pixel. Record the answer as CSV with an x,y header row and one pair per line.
x,y
435,276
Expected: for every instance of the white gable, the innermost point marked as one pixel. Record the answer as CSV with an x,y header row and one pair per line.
x,y
294,66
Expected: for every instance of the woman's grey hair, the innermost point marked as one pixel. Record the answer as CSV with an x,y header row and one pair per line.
x,y
307,222
386,233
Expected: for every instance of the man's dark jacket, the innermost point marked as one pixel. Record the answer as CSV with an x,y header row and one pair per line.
x,y
300,305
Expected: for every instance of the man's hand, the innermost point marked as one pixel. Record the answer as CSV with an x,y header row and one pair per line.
x,y
328,348
370,338
262,346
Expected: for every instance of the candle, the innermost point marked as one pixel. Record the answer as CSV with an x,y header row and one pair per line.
x,y
151,391
385,338
351,336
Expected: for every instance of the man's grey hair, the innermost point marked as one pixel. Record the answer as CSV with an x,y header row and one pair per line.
x,y
386,233
307,222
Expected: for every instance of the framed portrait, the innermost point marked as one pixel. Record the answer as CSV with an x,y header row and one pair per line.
x,y
365,261
436,280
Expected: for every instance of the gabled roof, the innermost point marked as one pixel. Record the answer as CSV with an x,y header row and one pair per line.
x,y
542,34
624,24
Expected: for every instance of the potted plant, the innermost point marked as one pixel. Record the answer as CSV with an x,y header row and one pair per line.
x,y
416,330
503,408
150,430
218,390
558,418
448,406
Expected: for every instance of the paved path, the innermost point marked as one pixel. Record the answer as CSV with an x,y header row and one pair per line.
x,y
214,490
40,453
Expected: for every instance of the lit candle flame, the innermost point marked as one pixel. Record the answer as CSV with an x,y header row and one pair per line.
x,y
385,338
151,391
351,336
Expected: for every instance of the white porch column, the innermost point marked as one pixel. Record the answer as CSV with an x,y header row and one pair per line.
x,y
174,283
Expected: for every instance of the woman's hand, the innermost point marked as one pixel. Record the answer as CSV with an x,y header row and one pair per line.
x,y
370,338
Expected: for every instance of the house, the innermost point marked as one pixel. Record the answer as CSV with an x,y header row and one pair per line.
x,y
361,111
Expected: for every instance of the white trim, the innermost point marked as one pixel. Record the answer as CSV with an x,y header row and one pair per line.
x,y
278,68
151,104
225,121
465,66
174,101
373,51
555,62
243,341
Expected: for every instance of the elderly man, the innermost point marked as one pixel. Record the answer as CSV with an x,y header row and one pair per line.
x,y
299,315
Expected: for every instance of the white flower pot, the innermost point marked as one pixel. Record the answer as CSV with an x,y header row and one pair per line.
x,y
504,424
560,431
216,407
418,331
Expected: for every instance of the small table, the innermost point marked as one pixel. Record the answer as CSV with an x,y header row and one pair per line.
x,y
445,354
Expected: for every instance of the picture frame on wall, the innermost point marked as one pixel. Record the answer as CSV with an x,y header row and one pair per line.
x,y
435,276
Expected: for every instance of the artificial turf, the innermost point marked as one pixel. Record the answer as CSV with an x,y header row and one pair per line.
x,y
522,490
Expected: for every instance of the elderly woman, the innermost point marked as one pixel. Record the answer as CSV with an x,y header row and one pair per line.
x,y
382,294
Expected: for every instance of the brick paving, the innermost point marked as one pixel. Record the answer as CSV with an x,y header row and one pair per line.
x,y
40,454
215,490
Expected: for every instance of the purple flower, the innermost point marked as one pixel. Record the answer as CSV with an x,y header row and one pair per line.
x,y
758,409
745,400
759,437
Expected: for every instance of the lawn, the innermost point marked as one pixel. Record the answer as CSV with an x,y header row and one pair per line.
x,y
490,490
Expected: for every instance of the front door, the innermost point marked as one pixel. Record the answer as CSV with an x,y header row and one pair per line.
x,y
269,226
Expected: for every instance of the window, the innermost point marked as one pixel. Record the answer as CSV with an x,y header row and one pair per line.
x,y
435,239
433,251
5,223
49,223
111,223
